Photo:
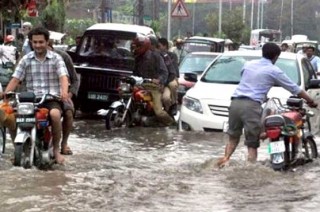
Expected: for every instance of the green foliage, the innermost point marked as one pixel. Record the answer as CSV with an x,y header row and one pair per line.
x,y
76,27
232,26
156,26
126,9
53,16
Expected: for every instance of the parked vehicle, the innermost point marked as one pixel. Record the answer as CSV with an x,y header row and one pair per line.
x,y
101,59
288,130
194,62
33,142
260,36
205,106
297,42
203,44
134,108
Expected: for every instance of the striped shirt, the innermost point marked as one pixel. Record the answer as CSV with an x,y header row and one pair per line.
x,y
41,77
258,77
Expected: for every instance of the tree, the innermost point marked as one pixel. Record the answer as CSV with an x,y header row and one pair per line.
x,y
76,27
53,16
232,26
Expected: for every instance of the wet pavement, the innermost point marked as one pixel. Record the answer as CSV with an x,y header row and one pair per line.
x,y
156,169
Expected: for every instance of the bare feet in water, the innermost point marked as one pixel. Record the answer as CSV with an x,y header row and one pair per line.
x,y
59,158
222,162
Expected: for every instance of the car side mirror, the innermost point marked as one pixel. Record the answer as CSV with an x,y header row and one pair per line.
x,y
314,83
192,77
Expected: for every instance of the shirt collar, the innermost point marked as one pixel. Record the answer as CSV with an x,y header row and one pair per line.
x,y
49,54
265,60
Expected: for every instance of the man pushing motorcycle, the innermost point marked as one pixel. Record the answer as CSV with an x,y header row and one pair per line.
x,y
149,64
257,78
44,72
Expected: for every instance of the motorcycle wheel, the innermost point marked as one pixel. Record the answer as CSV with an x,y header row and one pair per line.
x,y
278,166
2,140
22,154
310,149
114,116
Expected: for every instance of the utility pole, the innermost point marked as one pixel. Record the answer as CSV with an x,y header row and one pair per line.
x,y
258,15
262,11
155,10
169,20
252,7
291,18
220,17
244,12
280,24
139,12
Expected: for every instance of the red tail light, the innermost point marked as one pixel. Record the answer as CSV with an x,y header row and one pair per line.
x,y
273,133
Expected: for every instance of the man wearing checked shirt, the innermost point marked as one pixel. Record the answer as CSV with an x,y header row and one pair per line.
x,y
44,71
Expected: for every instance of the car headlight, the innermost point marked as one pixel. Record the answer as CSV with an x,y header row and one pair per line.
x,y
25,109
192,104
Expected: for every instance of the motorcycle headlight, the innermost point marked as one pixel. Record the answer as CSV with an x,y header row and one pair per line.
x,y
25,109
125,87
192,104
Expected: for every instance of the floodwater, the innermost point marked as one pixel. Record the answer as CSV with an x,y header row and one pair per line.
x,y
156,170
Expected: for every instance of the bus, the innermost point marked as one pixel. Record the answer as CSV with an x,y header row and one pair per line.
x,y
259,36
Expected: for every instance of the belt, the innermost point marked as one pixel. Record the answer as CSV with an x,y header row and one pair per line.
x,y
243,98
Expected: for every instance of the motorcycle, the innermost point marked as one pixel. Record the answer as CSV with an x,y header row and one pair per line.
x,y
33,141
288,130
135,106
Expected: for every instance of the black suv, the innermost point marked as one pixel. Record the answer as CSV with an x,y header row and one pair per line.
x,y
102,58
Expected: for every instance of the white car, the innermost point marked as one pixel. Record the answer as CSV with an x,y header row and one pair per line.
x,y
205,106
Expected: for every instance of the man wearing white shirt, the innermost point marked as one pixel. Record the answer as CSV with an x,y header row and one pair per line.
x,y
314,60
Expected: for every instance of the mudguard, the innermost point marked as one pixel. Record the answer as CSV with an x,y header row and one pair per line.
x,y
21,137
117,104
308,134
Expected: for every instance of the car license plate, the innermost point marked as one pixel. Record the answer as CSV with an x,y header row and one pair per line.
x,y
26,120
276,147
98,96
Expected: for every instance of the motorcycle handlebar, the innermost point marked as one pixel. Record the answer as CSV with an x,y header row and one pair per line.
x,y
38,101
46,97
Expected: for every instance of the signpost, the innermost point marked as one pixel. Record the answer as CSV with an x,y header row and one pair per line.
x,y
180,11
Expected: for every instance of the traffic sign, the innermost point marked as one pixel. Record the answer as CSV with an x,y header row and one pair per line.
x,y
179,10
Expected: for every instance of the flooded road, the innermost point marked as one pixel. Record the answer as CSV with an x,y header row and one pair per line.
x,y
156,169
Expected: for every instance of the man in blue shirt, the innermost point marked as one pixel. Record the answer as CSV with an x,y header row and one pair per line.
x,y
314,60
245,111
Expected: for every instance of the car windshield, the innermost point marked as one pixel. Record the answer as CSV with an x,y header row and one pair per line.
x,y
227,70
195,63
106,45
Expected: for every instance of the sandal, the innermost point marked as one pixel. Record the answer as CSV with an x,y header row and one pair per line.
x,y
66,151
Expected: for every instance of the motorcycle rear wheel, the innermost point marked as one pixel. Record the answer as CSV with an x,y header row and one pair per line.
x,y
2,140
278,166
310,149
114,116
